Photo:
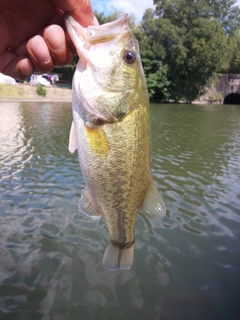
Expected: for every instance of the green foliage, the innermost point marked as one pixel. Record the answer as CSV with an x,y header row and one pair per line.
x,y
102,18
41,91
234,43
217,97
191,38
204,52
227,13
68,70
155,72
185,11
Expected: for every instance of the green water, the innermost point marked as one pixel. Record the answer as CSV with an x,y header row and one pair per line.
x,y
186,266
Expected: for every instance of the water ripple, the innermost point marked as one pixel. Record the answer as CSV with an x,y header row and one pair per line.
x,y
51,255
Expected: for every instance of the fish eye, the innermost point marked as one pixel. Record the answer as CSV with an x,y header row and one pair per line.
x,y
129,56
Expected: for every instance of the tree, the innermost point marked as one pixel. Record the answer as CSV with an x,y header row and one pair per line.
x,y
227,13
67,71
102,18
151,55
190,38
234,41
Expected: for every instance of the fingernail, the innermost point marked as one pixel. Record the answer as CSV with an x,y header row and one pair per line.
x,y
40,50
56,43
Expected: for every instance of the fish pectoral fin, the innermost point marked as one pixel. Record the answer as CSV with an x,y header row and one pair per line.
x,y
153,205
118,257
72,145
87,207
97,141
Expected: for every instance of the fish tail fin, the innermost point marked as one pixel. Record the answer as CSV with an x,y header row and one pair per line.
x,y
118,257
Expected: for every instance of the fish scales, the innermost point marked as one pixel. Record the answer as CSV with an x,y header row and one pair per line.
x,y
117,185
111,130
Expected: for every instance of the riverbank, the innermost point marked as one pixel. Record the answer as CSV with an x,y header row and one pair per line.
x,y
25,92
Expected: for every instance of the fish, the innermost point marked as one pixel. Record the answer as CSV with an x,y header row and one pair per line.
x,y
111,131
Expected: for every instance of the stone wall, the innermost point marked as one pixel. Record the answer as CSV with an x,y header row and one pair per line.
x,y
234,83
226,84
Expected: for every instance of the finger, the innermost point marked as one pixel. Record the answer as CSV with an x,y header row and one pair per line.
x,y
18,67
57,45
55,39
79,9
39,54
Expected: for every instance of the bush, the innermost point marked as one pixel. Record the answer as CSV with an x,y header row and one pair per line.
x,y
215,98
41,91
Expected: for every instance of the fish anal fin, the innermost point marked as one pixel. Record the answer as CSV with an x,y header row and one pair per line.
x,y
72,145
87,207
153,205
97,141
118,258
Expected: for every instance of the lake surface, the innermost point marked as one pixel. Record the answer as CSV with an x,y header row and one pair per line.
x,y
186,266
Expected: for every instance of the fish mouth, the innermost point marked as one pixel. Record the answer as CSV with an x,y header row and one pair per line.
x,y
82,37
78,35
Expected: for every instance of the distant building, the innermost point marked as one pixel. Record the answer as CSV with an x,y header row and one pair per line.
x,y
45,80
6,79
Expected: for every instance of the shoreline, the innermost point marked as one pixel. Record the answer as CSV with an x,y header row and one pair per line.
x,y
33,100
27,93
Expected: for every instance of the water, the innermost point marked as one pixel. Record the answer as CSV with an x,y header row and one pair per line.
x,y
186,266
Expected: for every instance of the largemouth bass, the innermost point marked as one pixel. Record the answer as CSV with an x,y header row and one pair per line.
x,y
111,130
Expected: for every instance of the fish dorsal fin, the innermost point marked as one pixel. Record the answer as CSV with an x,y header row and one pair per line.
x,y
87,207
153,205
72,145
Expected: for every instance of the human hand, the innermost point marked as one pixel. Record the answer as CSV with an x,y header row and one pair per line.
x,y
33,36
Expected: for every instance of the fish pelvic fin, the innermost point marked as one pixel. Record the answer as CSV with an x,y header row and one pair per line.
x,y
118,257
72,145
153,205
87,207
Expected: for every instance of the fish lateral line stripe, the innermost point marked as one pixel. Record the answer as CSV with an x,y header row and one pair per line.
x,y
122,246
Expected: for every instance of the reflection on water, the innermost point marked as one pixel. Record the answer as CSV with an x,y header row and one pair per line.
x,y
186,266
